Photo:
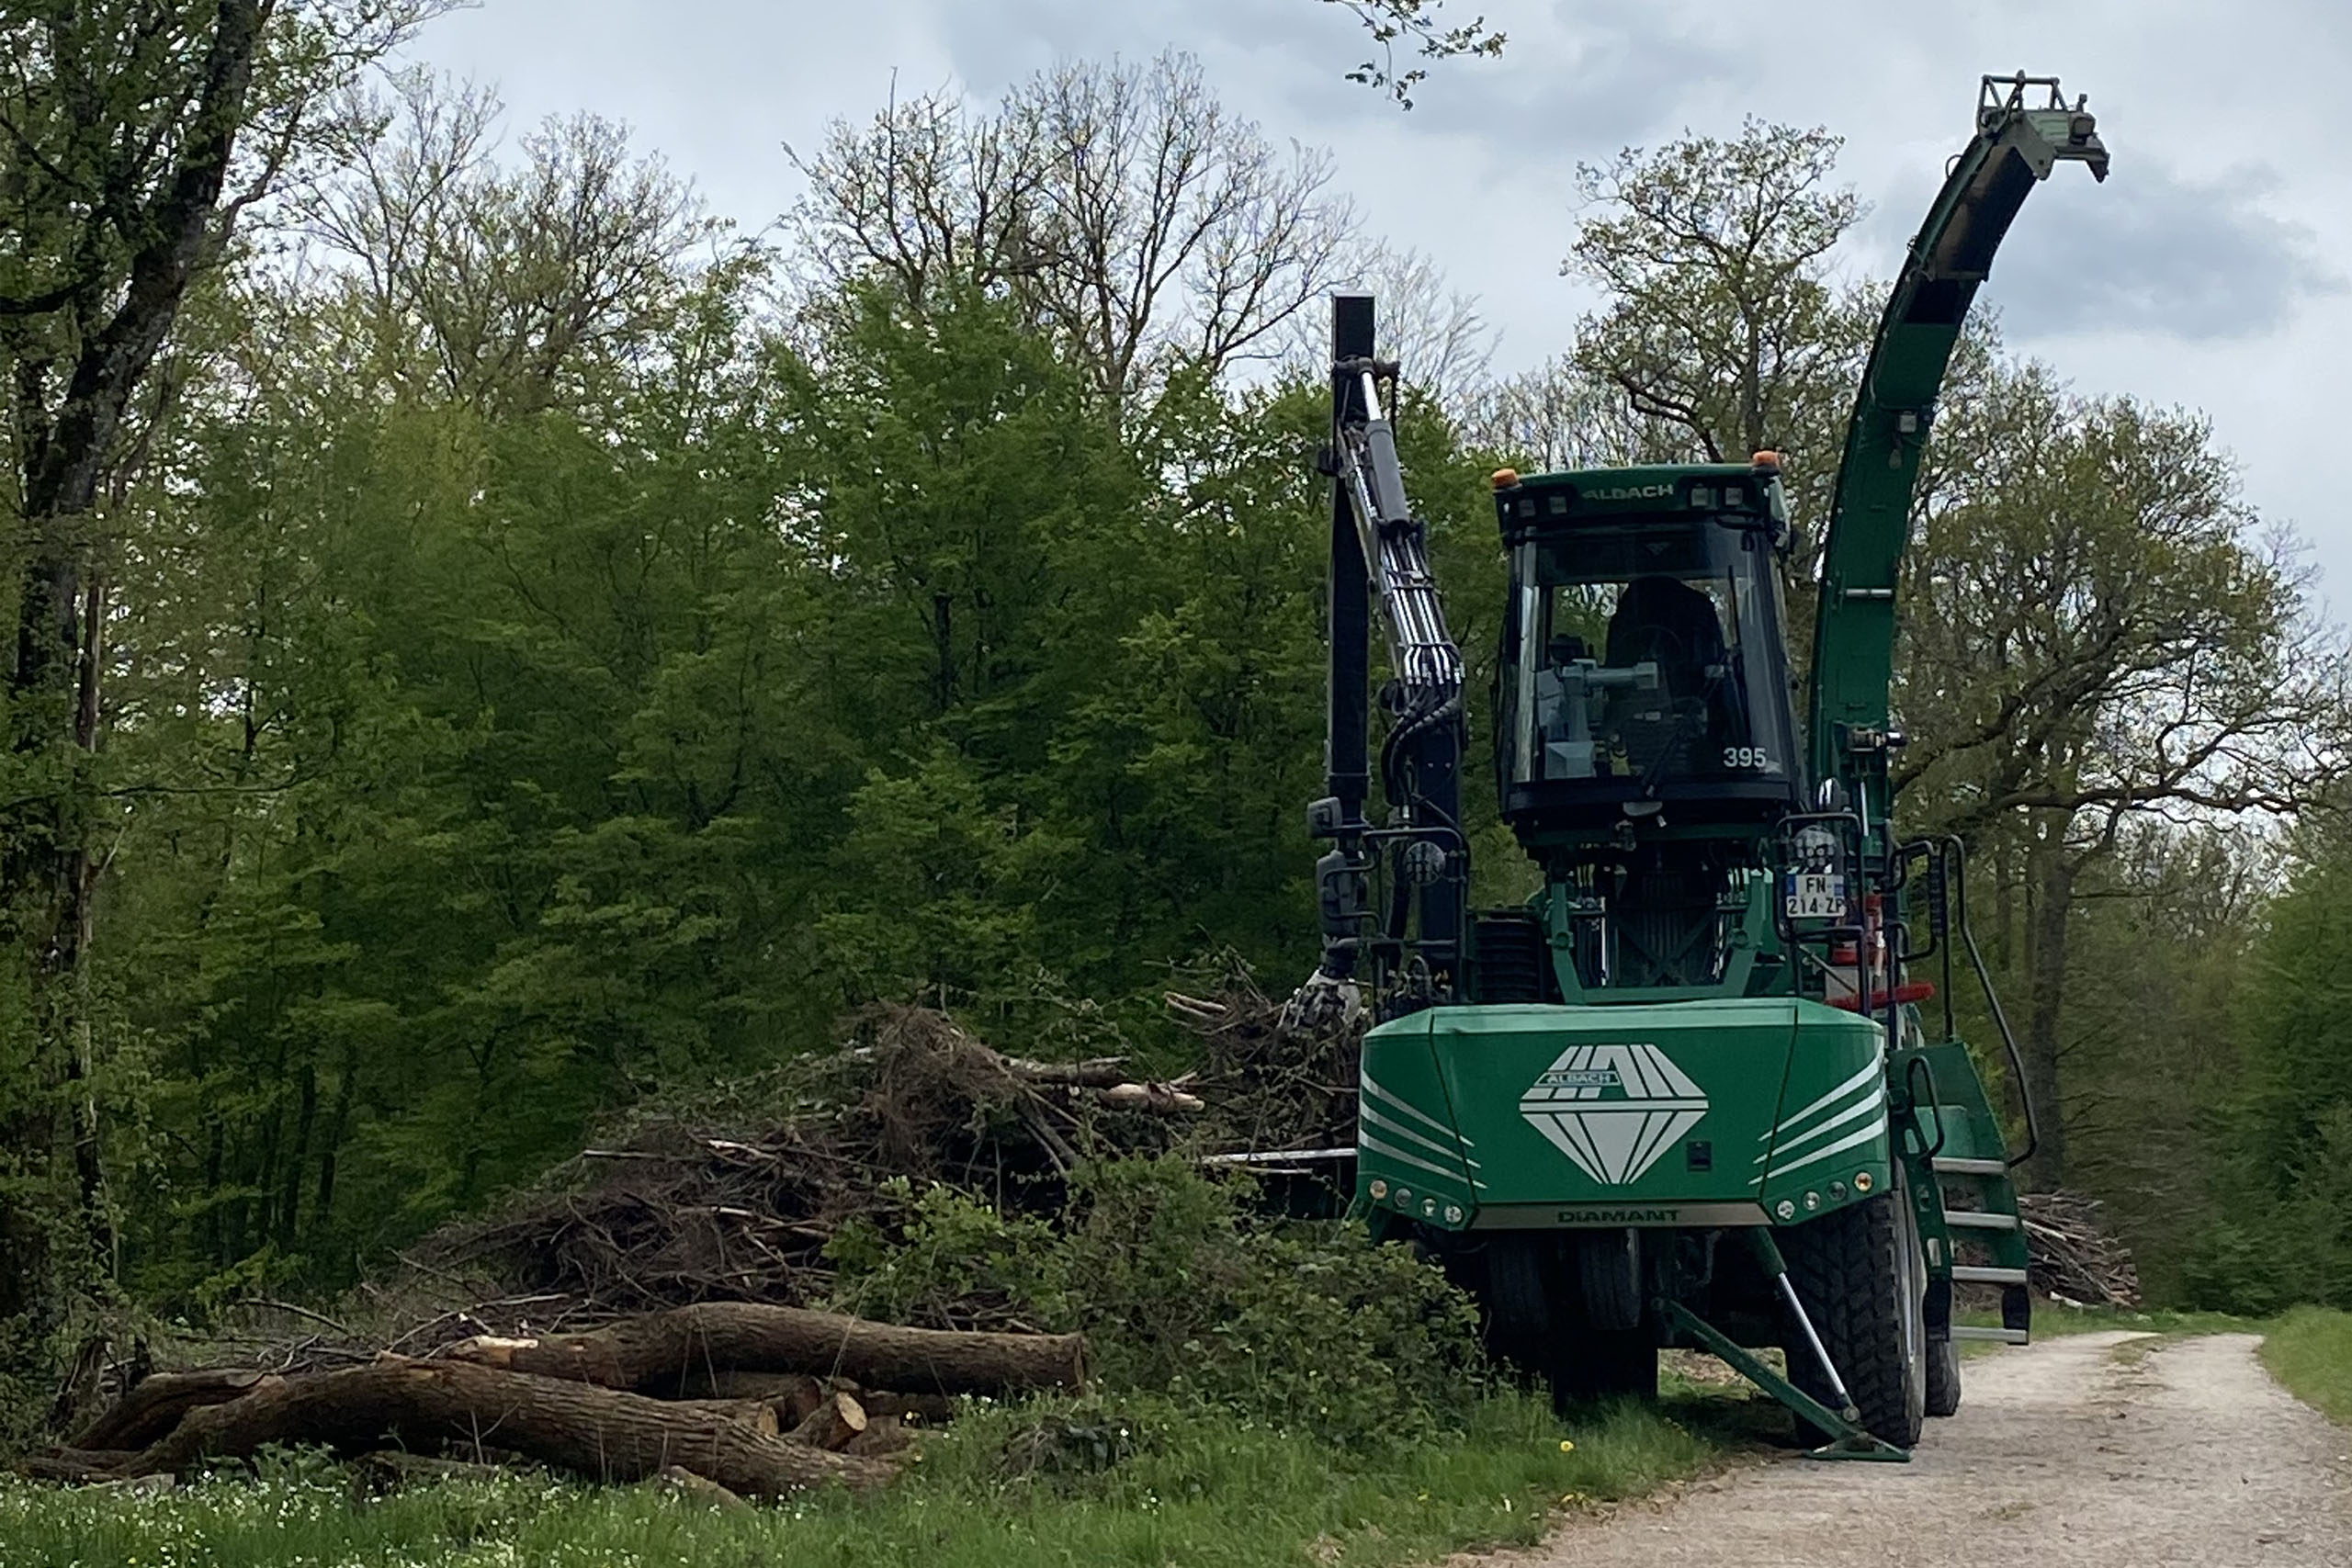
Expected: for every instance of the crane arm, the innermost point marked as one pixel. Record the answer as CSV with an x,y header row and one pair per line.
x,y
2021,135
1380,570
1421,652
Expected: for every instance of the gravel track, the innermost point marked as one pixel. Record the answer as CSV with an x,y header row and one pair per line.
x,y
2066,1454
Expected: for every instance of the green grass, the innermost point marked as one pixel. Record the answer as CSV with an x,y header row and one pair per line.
x,y
1191,1489
2050,1318
2310,1351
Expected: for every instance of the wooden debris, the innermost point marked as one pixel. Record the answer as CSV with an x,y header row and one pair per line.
x,y
838,1419
701,1489
2071,1255
791,1394
396,1469
154,1405
920,1409
645,1352
599,1433
883,1435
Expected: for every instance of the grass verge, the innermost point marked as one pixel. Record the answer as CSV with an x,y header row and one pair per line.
x,y
2310,1351
1179,1487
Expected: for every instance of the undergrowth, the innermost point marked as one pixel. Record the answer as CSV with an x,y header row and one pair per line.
x,y
1141,1481
1183,1291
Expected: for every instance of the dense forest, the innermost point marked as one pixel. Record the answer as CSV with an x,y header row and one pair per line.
x,y
496,644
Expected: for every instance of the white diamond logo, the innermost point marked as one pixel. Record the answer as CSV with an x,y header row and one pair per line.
x,y
1614,1109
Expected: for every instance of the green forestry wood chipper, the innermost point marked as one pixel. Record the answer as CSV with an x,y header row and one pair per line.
x,y
1699,1091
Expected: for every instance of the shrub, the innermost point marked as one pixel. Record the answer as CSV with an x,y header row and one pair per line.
x,y
1183,1292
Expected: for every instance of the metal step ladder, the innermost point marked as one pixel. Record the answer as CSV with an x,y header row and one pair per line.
x,y
1981,1208
1987,1233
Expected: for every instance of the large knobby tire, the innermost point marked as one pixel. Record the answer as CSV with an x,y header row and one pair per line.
x,y
1922,1346
1856,1270
1603,1350
1943,1377
1609,1278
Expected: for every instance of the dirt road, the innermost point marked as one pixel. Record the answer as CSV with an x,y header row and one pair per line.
x,y
2063,1454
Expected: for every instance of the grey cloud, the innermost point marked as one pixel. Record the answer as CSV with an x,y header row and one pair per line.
x,y
2153,251
1604,74
1575,82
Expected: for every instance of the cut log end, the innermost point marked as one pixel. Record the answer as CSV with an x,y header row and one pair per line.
x,y
838,1419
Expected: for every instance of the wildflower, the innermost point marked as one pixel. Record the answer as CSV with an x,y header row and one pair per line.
x,y
1567,1447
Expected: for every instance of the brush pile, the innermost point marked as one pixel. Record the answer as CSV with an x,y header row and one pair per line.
x,y
659,1305
679,1212
2070,1255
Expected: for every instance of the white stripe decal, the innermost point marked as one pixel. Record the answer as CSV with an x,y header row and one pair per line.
x,y
1841,1146
1398,1103
1368,1115
1376,1146
1840,1092
1859,1108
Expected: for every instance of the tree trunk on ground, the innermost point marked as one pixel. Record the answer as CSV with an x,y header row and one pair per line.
x,y
73,1466
923,1409
657,1351
701,1489
793,1394
594,1432
883,1435
393,1469
154,1405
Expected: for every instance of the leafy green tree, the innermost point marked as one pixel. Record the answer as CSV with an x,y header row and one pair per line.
x,y
2283,1230
1722,328
2171,668
134,135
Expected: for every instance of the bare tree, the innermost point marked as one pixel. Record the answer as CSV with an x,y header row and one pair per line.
x,y
1559,415
497,277
1122,207
1435,332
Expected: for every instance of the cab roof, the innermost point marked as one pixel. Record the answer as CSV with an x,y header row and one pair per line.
x,y
1536,501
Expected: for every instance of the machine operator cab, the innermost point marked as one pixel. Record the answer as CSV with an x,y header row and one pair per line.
x,y
1644,671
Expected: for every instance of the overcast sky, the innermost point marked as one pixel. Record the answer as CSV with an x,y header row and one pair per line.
x,y
2210,271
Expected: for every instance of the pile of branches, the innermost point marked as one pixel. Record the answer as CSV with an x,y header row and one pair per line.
x,y
654,1307
733,1400
1272,1081
2070,1255
657,1306
679,1212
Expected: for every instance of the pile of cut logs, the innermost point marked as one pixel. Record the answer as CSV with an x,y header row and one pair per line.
x,y
2071,1253
739,1398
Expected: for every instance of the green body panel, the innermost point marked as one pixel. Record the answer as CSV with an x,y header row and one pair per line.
x,y
1971,1131
1870,520
1673,1114
1961,1110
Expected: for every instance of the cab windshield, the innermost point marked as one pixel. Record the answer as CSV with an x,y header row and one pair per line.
x,y
1648,652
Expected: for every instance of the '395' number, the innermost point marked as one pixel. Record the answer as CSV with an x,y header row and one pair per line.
x,y
1747,757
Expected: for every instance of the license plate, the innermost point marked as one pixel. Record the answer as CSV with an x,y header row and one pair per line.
x,y
1813,896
